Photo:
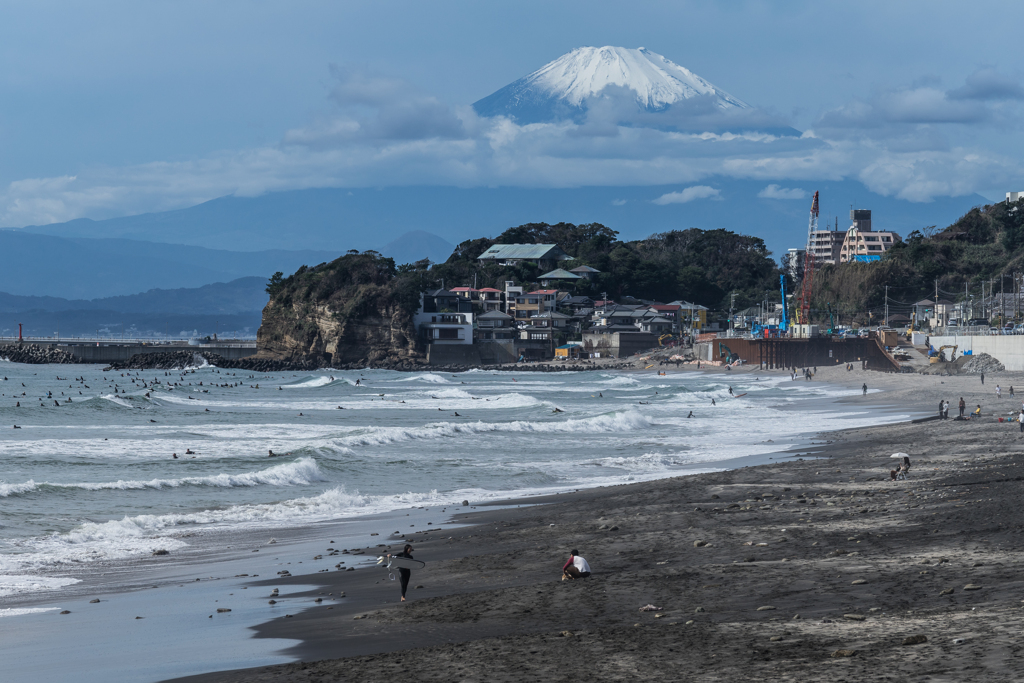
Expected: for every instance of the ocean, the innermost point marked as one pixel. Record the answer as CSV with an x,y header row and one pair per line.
x,y
89,484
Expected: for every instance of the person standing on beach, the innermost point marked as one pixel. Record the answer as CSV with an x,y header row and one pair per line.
x,y
999,391
945,411
1020,419
963,406
1011,391
942,404
864,389
983,378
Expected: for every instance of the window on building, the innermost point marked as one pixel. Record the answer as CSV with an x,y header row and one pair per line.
x,y
448,333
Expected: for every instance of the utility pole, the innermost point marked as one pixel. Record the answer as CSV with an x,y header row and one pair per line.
x,y
887,305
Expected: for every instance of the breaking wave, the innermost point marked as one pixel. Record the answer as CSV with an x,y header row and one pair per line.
x,y
301,472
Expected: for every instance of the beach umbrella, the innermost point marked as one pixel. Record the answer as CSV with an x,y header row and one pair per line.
x,y
899,455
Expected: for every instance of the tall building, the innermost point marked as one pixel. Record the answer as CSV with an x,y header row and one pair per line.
x,y
861,243
825,245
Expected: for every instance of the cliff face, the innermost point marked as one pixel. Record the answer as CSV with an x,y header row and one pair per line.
x,y
353,311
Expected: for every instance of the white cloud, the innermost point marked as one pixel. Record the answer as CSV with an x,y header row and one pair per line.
x,y
619,202
773,191
689,194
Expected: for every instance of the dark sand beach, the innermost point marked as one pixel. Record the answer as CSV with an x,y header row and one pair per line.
x,y
808,568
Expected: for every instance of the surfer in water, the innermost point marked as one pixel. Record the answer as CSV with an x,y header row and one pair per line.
x,y
403,573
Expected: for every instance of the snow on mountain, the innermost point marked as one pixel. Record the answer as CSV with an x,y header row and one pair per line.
x,y
564,88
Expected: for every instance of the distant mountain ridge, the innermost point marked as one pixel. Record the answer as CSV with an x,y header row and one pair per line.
x,y
318,225
245,294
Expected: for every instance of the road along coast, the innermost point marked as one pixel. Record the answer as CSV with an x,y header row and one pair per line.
x,y
814,567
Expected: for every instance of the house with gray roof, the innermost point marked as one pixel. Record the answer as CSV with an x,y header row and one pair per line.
x,y
547,256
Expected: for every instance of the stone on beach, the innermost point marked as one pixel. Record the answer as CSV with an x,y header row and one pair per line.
x,y
915,640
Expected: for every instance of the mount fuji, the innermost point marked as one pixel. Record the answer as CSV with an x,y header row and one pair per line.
x,y
571,86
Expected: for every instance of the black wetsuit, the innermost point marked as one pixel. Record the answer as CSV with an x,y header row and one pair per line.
x,y
404,574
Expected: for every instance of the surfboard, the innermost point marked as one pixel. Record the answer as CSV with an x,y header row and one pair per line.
x,y
739,395
394,562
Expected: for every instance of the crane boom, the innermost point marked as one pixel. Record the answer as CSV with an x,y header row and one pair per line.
x,y
807,285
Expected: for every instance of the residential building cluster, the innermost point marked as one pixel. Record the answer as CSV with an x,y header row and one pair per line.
x,y
544,322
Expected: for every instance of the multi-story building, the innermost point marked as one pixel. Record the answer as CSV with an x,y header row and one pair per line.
x,y
825,245
862,244
445,318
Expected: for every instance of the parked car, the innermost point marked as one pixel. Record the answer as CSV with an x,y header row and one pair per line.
x,y
1018,328
978,322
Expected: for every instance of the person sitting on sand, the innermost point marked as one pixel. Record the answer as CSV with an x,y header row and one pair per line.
x,y
576,567
977,412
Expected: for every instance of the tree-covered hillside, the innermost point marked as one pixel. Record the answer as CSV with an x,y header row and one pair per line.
x,y
703,266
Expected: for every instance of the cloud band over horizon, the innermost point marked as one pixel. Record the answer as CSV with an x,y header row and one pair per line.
x,y
382,131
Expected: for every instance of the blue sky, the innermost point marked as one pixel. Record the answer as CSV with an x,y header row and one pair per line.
x,y
115,108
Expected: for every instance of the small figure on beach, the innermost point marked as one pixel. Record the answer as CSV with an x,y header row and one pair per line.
x,y
1011,391
403,573
864,389
576,567
977,412
963,406
941,406
1020,419
999,391
945,411
983,378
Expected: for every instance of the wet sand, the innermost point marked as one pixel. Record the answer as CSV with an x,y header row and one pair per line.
x,y
802,569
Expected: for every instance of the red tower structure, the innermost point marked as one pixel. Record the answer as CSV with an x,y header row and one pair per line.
x,y
807,285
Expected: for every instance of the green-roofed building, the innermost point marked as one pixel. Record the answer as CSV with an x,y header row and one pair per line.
x,y
547,256
558,274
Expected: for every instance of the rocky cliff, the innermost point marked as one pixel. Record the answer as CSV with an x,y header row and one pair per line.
x,y
354,311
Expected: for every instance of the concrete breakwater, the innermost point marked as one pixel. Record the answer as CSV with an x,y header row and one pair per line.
x,y
32,354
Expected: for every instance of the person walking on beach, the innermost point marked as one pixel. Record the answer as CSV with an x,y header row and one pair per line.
x,y
1011,391
983,378
1020,419
999,391
864,389
576,567
942,404
963,406
403,573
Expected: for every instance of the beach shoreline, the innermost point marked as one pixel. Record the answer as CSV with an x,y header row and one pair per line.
x,y
842,570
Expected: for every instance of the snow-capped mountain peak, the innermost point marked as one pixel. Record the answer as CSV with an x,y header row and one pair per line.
x,y
563,88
